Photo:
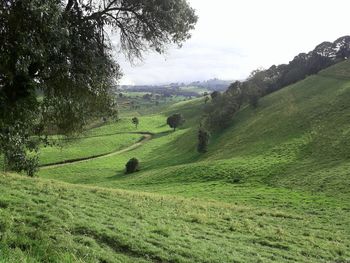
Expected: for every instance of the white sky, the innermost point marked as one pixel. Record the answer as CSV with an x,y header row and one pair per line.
x,y
234,37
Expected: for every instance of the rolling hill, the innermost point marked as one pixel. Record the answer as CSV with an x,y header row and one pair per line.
x,y
296,138
273,187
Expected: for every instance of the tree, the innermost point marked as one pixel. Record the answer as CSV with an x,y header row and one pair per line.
x,y
219,114
215,95
254,100
175,120
253,93
147,96
206,99
20,150
132,166
203,140
61,49
135,121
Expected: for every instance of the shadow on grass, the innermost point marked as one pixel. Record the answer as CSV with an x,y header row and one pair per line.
x,y
162,134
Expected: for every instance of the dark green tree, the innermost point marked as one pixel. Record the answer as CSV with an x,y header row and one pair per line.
x,y
57,63
135,121
19,149
219,113
132,166
215,95
175,120
252,93
203,140
253,100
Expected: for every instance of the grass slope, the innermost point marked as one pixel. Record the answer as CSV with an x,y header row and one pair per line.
x,y
49,221
302,130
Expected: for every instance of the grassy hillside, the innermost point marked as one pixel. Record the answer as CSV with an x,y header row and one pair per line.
x,y
296,138
303,129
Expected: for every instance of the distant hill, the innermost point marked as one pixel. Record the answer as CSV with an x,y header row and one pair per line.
x,y
212,84
190,89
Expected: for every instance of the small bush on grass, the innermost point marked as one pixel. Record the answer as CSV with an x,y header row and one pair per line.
x,y
132,166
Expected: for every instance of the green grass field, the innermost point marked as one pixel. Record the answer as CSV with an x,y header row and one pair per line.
x,y
49,220
108,138
273,187
86,147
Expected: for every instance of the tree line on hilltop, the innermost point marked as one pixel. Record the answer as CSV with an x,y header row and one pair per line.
x,y
219,113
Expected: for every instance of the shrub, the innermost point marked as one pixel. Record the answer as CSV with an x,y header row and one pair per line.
x,y
215,95
132,166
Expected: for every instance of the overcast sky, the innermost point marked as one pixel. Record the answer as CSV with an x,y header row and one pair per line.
x,y
234,37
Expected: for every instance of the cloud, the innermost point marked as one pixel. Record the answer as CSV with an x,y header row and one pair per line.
x,y
232,38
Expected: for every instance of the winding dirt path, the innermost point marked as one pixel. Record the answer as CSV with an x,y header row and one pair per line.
x,y
146,137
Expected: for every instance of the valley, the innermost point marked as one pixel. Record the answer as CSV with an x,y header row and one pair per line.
x,y
272,187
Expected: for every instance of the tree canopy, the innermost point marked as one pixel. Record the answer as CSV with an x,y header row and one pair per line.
x,y
57,65
175,120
